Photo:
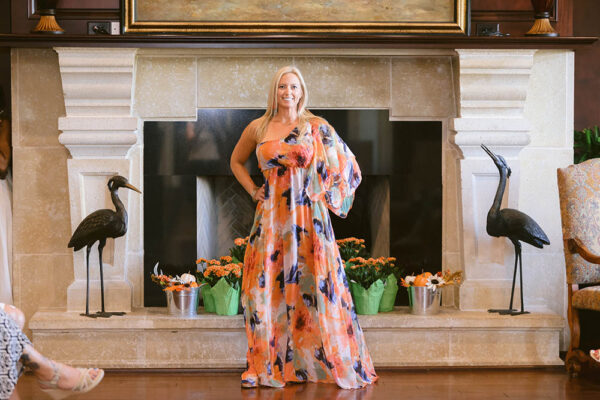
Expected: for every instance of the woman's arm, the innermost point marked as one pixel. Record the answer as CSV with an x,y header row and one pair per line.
x,y
244,147
4,147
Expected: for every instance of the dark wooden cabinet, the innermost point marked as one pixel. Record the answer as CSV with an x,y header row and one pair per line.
x,y
72,15
516,16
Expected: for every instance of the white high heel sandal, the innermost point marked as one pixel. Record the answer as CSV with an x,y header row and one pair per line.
x,y
84,384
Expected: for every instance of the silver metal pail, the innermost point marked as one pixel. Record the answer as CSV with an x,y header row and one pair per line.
x,y
183,303
424,301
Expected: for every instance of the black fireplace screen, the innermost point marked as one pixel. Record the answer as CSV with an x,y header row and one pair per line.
x,y
194,207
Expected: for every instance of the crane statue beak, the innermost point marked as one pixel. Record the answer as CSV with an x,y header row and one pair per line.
x,y
489,152
130,186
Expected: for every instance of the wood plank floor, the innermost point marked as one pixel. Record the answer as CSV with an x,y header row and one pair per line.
x,y
529,384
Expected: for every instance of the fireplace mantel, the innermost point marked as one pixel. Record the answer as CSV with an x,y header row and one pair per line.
x,y
518,101
295,41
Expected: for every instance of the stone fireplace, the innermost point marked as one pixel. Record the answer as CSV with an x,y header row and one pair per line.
x,y
517,102
194,207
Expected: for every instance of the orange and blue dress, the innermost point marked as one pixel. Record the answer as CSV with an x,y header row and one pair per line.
x,y
300,320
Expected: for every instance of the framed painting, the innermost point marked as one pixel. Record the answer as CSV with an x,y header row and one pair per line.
x,y
287,16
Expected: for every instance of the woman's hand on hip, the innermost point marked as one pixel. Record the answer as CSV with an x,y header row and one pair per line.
x,y
258,194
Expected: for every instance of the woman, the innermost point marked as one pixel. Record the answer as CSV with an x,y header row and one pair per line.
x,y
16,352
300,319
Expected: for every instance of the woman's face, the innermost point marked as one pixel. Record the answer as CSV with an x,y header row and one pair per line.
x,y
289,91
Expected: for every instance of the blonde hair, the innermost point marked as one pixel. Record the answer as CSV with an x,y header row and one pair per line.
x,y
303,114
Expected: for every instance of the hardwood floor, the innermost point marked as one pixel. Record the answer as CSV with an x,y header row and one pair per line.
x,y
529,384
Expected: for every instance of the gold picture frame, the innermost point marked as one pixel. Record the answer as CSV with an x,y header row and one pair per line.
x,y
296,17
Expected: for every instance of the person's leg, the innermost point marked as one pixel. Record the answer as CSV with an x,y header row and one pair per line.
x,y
47,370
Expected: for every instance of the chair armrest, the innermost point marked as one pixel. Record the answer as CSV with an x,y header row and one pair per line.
x,y
575,245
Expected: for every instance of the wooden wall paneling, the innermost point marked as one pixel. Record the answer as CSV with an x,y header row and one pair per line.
x,y
5,52
587,60
80,9
564,25
502,10
505,5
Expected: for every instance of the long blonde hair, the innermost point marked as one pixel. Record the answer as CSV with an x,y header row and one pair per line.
x,y
303,114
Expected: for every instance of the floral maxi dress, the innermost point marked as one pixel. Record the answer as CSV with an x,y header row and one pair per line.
x,y
300,320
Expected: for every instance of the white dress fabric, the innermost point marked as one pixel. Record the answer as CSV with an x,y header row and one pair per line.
x,y
6,240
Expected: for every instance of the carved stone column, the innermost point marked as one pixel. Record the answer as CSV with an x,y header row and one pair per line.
x,y
493,89
102,137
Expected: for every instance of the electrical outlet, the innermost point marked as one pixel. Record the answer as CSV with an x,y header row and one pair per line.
x,y
98,28
115,28
488,29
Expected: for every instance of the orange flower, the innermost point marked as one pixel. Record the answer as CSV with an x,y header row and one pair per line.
x,y
421,280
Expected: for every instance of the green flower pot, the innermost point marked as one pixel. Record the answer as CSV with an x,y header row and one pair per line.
x,y
207,298
389,294
366,301
227,299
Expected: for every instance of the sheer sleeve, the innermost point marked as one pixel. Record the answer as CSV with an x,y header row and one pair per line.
x,y
333,174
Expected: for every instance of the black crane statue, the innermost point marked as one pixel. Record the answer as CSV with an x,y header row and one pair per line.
x,y
515,226
97,227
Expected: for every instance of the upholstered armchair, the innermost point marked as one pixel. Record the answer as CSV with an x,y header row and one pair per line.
x,y
579,190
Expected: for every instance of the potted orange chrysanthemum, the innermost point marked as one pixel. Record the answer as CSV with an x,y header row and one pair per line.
x,y
238,250
223,280
351,247
366,284
390,273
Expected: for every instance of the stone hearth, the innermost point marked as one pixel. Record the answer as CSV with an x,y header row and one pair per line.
x,y
148,338
518,102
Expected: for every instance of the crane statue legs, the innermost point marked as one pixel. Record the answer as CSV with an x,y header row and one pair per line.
x,y
103,313
511,310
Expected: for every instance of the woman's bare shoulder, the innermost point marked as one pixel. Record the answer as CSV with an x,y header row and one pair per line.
x,y
252,127
254,124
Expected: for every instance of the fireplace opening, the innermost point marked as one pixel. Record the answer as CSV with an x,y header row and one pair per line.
x,y
194,207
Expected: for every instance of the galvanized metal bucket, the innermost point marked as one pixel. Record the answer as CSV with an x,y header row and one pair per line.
x,y
183,303
424,301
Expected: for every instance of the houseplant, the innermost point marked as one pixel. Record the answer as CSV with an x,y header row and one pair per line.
x,y
181,292
424,295
351,247
223,279
238,250
586,144
391,274
366,284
